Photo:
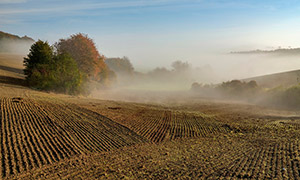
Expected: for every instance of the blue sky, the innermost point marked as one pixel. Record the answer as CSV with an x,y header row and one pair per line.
x,y
155,33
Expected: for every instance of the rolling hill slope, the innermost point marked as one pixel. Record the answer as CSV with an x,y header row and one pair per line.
x,y
285,79
10,43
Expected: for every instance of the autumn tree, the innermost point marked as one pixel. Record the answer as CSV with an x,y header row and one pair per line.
x,y
83,50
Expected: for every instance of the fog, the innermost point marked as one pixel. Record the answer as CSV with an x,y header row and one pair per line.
x,y
15,46
223,67
165,84
173,82
241,66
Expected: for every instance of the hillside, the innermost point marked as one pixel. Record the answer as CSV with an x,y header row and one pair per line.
x,y
4,35
10,43
285,79
281,51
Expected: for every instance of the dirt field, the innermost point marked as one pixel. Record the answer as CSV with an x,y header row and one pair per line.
x,y
51,136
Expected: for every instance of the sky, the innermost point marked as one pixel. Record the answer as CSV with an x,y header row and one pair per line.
x,y
157,32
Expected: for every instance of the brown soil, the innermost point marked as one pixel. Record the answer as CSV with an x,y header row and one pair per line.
x,y
53,136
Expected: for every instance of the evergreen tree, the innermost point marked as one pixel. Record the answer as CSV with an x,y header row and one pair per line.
x,y
40,53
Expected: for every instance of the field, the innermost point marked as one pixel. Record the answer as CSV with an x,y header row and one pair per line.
x,y
52,136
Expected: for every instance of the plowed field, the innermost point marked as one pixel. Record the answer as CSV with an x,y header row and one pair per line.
x,y
52,136
34,135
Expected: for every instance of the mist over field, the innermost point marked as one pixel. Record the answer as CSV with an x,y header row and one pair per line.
x,y
14,47
14,44
175,83
222,67
214,78
170,44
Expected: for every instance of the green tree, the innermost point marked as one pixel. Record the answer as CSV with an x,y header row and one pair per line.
x,y
48,71
40,54
67,77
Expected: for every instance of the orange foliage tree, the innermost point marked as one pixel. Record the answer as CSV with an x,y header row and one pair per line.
x,y
83,50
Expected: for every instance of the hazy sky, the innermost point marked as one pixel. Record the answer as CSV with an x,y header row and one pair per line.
x,y
155,33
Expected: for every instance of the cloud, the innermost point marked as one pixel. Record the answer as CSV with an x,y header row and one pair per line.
x,y
80,6
8,21
12,1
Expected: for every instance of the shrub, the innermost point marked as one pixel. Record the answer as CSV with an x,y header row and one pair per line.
x,y
237,88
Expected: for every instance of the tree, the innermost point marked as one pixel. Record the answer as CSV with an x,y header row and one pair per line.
x,y
180,66
238,88
48,71
68,78
83,50
40,53
120,65
38,65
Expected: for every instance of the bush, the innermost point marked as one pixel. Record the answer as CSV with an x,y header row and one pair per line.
x,y
237,88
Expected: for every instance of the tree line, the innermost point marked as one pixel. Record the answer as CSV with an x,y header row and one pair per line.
x,y
68,66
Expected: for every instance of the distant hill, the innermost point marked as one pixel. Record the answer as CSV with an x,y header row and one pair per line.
x,y
285,52
10,43
285,79
4,35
